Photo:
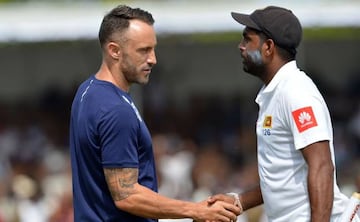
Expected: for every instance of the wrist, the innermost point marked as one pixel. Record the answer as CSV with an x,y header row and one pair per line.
x,y
236,200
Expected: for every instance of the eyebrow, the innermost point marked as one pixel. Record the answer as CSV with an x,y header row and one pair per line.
x,y
245,32
249,33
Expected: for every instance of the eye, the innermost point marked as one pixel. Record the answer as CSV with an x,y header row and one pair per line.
x,y
145,50
246,39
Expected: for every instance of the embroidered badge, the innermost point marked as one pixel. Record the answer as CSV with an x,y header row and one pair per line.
x,y
267,122
304,118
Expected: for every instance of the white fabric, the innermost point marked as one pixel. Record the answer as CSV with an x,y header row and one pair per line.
x,y
282,169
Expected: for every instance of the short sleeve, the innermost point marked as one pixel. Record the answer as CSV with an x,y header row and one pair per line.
x,y
118,137
307,117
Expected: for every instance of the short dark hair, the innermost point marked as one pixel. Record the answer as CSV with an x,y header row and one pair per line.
x,y
117,21
286,54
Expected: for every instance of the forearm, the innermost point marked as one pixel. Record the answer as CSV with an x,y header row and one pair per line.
x,y
130,196
148,204
251,198
321,192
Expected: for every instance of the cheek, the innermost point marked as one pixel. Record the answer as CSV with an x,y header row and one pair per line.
x,y
139,60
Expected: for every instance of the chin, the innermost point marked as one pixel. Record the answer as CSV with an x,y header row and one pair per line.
x,y
246,69
147,78
144,81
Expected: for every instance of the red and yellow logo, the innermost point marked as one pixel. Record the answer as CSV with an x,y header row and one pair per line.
x,y
304,118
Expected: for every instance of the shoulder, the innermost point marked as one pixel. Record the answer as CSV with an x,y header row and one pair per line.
x,y
298,85
104,100
298,91
100,94
117,118
121,111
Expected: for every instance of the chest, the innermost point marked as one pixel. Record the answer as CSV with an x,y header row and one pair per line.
x,y
272,127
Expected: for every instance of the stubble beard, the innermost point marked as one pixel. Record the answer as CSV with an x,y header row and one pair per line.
x,y
253,63
131,72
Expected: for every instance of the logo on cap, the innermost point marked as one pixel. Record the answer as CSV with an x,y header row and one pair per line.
x,y
304,118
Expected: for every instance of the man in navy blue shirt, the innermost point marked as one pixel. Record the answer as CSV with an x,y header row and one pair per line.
x,y
114,176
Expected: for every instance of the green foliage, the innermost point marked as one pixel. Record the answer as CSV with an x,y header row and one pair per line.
x,y
342,33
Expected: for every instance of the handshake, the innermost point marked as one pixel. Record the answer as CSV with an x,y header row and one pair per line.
x,y
221,208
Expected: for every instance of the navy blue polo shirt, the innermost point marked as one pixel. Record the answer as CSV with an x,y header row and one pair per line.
x,y
106,131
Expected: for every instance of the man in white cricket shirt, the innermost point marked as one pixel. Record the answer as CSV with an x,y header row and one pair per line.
x,y
294,131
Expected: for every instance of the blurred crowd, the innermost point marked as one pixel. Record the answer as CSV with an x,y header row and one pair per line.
x,y
204,146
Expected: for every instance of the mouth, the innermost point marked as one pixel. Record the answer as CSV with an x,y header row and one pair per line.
x,y
244,56
147,70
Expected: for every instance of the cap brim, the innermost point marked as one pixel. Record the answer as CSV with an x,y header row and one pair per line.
x,y
245,20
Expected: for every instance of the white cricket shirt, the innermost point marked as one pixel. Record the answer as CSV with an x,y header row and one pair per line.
x,y
292,115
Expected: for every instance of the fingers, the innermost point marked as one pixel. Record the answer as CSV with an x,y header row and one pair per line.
x,y
211,200
233,208
219,211
227,211
220,197
231,198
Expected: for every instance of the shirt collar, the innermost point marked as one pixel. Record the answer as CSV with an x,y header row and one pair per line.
x,y
281,74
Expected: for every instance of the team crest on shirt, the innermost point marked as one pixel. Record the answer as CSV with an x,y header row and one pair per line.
x,y
267,122
304,118
267,125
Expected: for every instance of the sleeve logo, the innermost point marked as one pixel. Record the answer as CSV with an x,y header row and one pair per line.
x,y
304,118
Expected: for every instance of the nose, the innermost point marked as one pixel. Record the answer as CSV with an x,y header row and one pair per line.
x,y
152,58
241,46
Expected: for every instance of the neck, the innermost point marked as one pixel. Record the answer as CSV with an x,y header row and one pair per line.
x,y
271,71
109,73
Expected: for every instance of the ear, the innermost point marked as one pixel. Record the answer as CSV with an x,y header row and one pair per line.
x,y
269,47
113,50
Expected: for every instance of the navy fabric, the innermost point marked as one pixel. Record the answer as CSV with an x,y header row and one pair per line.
x,y
106,131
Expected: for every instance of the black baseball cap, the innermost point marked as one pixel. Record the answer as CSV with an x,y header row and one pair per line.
x,y
277,23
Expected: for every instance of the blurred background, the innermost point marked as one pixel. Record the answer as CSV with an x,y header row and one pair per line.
x,y
199,104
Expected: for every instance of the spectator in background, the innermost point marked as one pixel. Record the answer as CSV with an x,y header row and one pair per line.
x,y
294,129
114,176
357,180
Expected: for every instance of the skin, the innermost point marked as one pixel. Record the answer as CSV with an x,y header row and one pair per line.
x,y
126,62
320,180
357,183
132,61
269,63
317,155
136,199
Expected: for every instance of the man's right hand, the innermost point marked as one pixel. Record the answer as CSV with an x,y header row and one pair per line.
x,y
217,211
